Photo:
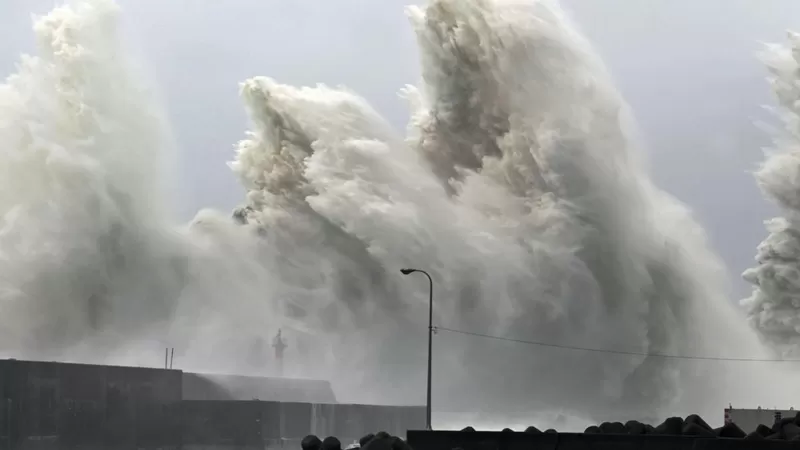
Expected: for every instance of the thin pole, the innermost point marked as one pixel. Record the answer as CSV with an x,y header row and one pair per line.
x,y
430,350
171,356
430,343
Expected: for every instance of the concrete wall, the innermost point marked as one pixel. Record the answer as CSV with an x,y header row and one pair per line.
x,y
57,405
48,406
256,424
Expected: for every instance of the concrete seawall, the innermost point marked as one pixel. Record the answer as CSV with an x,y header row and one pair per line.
x,y
49,405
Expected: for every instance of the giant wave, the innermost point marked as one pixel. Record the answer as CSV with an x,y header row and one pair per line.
x,y
774,306
519,186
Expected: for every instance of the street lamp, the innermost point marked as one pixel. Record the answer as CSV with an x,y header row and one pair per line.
x,y
430,340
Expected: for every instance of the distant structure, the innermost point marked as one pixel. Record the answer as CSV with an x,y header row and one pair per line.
x,y
749,419
280,345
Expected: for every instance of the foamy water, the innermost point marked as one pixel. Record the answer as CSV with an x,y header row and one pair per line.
x,y
519,185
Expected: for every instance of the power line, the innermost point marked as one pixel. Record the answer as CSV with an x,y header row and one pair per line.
x,y
615,352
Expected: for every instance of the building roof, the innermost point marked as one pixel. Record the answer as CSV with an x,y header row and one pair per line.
x,y
203,386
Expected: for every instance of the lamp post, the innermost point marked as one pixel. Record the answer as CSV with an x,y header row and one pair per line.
x,y
430,341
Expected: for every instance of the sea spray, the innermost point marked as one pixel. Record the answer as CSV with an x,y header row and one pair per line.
x,y
544,224
774,306
82,217
519,187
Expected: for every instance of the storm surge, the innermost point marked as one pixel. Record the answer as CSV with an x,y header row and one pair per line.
x,y
519,186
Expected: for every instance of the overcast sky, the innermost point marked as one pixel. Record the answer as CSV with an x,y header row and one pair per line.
x,y
687,67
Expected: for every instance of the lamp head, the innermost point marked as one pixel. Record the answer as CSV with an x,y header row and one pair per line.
x,y
407,271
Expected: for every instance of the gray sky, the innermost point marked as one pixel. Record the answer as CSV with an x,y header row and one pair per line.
x,y
687,67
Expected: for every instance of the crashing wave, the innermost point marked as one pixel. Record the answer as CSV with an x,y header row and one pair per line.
x,y
81,203
774,306
519,187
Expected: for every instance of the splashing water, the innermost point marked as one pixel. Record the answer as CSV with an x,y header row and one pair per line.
x,y
519,188
82,221
774,306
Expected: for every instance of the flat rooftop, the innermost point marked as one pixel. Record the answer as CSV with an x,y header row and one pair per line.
x,y
209,386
